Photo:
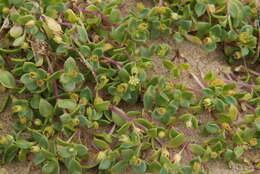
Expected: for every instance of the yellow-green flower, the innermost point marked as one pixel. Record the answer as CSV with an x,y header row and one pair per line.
x,y
133,81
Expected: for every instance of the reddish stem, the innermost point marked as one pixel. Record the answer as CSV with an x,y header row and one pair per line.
x,y
56,92
240,83
66,24
118,64
112,129
122,114
197,80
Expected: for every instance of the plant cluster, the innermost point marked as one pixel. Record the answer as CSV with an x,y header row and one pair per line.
x,y
70,66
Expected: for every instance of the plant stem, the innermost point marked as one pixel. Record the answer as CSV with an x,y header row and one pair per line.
x,y
66,24
197,80
122,114
107,59
112,129
56,92
240,83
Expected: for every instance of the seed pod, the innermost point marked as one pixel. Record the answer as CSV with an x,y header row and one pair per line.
x,y
16,31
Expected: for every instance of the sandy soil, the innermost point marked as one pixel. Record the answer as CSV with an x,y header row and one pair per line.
x,y
200,63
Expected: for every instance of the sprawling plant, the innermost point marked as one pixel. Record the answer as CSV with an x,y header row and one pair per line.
x,y
69,68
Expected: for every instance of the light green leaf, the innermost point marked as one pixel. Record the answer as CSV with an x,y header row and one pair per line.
x,y
7,79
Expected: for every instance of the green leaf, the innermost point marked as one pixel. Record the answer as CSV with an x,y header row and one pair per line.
x,y
101,144
40,139
197,149
104,164
239,150
19,41
212,128
67,104
200,9
51,167
70,65
220,105
233,112
177,141
23,144
10,153
119,121
7,79
45,108
119,167
210,76
74,166
229,155
83,35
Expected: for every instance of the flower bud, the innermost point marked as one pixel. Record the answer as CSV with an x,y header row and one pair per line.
x,y
135,161
2,89
121,88
161,134
208,40
161,110
226,126
25,45
124,139
75,121
35,149
177,158
95,125
71,149
33,75
107,47
17,108
101,155
3,140
143,26
165,153
133,81
83,101
197,166
23,120
237,55
244,37
175,16
30,23
211,8
94,58
40,83
207,102
253,142
37,122
57,39
48,131
163,27
74,96
6,10
213,155
140,6
161,10
188,123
